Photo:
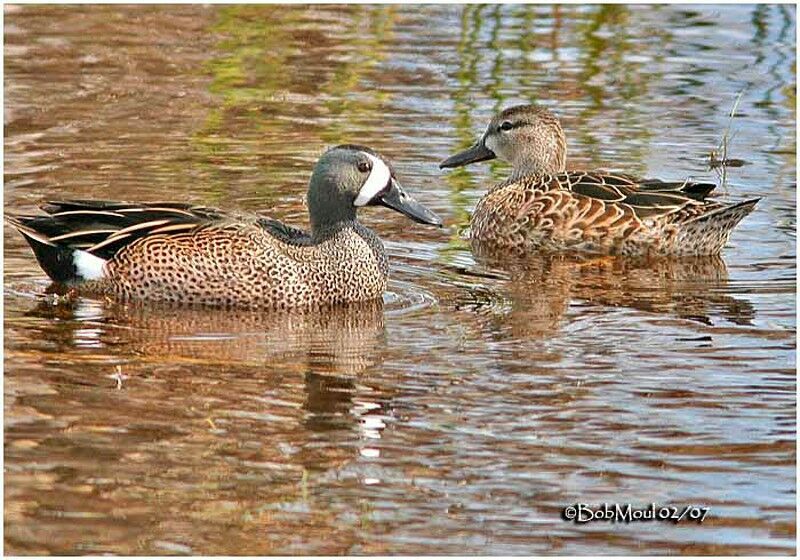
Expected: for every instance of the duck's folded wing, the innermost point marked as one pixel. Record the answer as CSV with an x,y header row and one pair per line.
x,y
646,197
697,191
102,228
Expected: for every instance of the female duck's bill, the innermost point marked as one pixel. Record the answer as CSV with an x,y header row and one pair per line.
x,y
474,154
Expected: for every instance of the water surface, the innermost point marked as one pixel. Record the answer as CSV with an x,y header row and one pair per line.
x,y
483,396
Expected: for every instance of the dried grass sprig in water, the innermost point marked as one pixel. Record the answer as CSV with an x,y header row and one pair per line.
x,y
718,159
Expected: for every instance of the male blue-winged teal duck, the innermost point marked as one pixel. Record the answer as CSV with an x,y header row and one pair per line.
x,y
177,252
543,207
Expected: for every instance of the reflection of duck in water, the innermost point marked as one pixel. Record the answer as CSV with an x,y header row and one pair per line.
x,y
540,290
337,340
272,378
543,207
328,349
177,252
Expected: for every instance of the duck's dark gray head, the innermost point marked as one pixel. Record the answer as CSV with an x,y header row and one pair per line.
x,y
348,177
530,138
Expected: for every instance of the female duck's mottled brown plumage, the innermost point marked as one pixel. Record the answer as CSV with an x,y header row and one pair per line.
x,y
543,207
175,252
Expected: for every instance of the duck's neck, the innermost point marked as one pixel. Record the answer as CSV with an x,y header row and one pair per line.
x,y
321,231
549,165
539,158
327,213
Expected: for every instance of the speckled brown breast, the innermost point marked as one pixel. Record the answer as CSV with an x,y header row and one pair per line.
x,y
243,265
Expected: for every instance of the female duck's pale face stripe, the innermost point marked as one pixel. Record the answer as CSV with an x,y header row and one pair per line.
x,y
489,141
378,179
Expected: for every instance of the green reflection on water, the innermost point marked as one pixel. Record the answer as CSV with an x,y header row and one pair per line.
x,y
608,73
276,70
461,180
346,92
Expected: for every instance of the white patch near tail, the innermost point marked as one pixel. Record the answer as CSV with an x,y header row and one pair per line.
x,y
89,266
375,183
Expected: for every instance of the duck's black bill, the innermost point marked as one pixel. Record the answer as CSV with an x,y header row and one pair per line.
x,y
478,152
397,199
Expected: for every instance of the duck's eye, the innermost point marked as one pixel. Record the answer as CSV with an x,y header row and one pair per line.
x,y
506,126
364,166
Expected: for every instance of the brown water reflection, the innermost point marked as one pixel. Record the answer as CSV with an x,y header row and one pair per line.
x,y
348,333
484,394
541,290
194,385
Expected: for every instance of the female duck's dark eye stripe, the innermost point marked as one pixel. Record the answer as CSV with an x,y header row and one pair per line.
x,y
505,126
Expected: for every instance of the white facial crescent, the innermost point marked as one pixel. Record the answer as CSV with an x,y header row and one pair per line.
x,y
375,183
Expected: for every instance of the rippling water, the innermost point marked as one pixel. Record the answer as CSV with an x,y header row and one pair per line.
x,y
484,395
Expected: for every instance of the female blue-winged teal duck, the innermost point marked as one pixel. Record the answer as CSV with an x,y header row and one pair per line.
x,y
543,207
176,252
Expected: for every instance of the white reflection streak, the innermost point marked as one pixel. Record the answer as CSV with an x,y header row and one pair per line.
x,y
370,426
87,311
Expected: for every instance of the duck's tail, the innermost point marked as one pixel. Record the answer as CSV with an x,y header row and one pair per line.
x,y
76,238
707,234
63,263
